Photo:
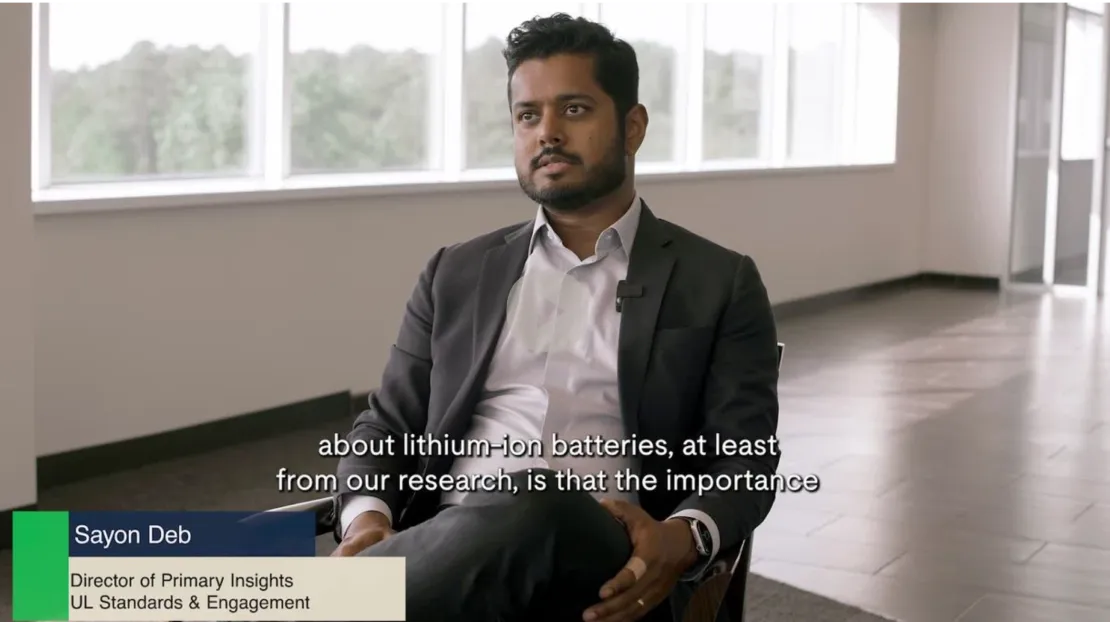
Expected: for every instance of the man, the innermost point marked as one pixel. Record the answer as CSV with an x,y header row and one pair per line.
x,y
594,320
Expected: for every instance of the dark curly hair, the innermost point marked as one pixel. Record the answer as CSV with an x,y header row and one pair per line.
x,y
616,70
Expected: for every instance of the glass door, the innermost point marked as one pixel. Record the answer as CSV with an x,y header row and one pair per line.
x,y
1057,231
1080,148
1036,56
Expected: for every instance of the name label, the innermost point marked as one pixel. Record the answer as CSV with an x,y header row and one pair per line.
x,y
107,538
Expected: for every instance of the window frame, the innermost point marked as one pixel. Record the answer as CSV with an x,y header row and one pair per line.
x,y
269,177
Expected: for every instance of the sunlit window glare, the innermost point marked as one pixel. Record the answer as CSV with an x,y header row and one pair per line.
x,y
204,90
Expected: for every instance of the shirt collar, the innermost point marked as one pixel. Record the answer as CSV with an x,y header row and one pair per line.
x,y
624,229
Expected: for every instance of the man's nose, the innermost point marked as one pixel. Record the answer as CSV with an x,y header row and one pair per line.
x,y
551,130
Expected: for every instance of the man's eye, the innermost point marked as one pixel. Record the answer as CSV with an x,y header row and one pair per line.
x,y
526,116
575,109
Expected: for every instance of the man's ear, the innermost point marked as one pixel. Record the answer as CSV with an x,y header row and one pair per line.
x,y
635,129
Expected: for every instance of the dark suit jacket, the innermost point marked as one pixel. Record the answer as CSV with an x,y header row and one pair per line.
x,y
698,357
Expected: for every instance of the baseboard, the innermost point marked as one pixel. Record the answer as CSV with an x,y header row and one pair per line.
x,y
359,402
6,524
80,464
825,302
961,281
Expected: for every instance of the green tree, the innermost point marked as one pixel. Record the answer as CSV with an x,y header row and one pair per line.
x,y
732,105
184,111
488,122
489,138
364,110
657,94
155,111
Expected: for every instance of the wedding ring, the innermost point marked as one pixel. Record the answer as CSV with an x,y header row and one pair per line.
x,y
641,601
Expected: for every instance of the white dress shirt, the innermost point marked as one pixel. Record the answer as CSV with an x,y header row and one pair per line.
x,y
554,370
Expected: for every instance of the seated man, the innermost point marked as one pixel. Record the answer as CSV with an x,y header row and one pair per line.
x,y
593,320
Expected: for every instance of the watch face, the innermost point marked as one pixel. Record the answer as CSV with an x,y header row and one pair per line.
x,y
701,537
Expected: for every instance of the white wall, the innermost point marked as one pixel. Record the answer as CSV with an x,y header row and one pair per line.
x,y
968,213
154,320
17,407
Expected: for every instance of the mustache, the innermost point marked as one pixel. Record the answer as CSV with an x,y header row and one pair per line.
x,y
554,152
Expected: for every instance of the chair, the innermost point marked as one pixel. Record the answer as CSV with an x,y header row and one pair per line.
x,y
723,587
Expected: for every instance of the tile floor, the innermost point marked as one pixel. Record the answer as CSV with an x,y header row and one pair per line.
x,y
962,439
963,444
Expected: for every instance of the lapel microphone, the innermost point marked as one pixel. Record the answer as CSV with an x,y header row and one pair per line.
x,y
627,290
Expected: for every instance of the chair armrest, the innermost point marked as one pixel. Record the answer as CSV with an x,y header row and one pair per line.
x,y
323,508
723,582
323,504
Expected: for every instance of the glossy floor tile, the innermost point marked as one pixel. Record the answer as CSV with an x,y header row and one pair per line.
x,y
1007,608
962,439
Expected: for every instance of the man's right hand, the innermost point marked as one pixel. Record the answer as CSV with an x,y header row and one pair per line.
x,y
366,530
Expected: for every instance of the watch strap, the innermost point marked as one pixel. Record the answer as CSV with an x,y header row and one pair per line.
x,y
701,536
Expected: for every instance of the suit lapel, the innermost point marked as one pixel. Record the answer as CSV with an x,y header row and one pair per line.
x,y
502,265
649,266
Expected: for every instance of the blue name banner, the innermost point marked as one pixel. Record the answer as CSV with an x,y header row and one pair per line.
x,y
192,534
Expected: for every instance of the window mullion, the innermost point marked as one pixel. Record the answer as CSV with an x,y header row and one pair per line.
x,y
849,85
269,115
694,87
41,116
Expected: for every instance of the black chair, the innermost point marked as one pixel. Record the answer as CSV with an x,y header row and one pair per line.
x,y
722,588
724,584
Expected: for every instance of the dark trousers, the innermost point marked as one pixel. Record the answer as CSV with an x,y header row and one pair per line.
x,y
499,557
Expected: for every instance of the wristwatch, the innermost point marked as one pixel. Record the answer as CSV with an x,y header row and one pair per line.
x,y
703,541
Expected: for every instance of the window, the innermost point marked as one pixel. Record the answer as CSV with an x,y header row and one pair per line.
x,y
1095,8
362,87
489,130
1035,69
163,93
657,36
816,70
270,96
1082,80
737,89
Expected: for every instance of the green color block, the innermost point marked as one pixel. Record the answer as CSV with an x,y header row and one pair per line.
x,y
40,566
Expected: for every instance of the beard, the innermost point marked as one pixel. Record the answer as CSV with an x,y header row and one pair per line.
x,y
601,180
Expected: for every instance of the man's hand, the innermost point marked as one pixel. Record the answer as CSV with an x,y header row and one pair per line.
x,y
366,530
661,552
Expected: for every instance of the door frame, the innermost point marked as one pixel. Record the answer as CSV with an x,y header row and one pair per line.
x,y
1098,258
1098,253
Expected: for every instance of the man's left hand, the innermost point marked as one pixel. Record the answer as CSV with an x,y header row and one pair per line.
x,y
661,552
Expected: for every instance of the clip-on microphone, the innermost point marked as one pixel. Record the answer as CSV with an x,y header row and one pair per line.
x,y
627,290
